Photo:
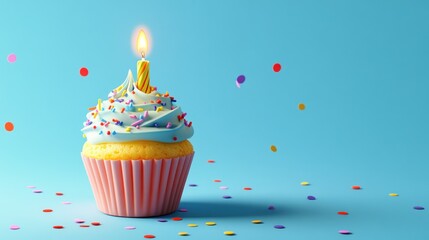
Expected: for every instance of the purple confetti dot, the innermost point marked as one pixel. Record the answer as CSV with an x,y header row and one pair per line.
x,y
271,207
11,58
419,208
241,79
227,197
346,232
193,185
279,226
223,187
311,198
67,203
162,220
130,228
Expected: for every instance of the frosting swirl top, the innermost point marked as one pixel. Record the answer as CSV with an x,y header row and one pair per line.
x,y
130,114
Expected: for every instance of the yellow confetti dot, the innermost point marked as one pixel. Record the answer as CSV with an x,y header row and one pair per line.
x,y
210,223
183,234
301,106
273,148
95,114
393,194
229,233
128,129
257,221
305,183
159,109
158,95
140,109
192,225
84,135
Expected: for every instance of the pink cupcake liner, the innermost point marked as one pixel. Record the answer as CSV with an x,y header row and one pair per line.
x,y
138,188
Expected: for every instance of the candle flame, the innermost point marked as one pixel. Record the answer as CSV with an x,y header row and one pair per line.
x,y
142,43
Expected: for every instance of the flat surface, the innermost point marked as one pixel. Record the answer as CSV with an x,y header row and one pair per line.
x,y
360,68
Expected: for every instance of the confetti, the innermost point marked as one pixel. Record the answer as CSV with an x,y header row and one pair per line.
x,y
84,226
343,213
356,187
273,148
210,223
241,79
47,210
217,180
419,208
311,197
279,226
58,227
271,207
183,210
11,58
59,194
37,191
211,161
257,221
14,227
305,183
393,194
177,219
162,220
67,203
192,225
247,188
9,126
301,106
227,197
193,185
95,223
149,236
130,228
78,220
345,232
83,71
223,187
277,67
183,234
229,233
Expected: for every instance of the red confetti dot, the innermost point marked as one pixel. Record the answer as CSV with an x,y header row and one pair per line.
x,y
211,161
175,138
58,227
47,210
177,219
108,132
9,126
356,187
84,226
247,188
343,213
84,71
59,193
277,67
217,180
149,236
96,223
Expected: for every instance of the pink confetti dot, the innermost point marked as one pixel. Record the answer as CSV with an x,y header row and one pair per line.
x,y
14,227
11,58
130,228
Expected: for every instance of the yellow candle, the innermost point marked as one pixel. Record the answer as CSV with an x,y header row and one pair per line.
x,y
143,66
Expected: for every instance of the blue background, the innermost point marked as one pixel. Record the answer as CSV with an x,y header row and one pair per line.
x,y
360,67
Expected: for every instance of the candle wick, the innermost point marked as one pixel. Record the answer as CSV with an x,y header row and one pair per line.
x,y
143,54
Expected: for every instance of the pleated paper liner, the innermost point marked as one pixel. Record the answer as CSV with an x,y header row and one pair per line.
x,y
138,188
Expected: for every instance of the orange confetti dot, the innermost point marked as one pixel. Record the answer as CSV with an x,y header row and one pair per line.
x,y
273,148
9,126
211,161
47,210
96,223
58,227
217,180
301,106
84,226
356,187
247,188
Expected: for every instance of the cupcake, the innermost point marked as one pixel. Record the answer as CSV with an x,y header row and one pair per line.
x,y
137,156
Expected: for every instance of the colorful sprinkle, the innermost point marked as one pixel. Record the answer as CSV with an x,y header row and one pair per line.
x,y
279,226
47,210
183,210
210,223
257,221
83,71
130,228
37,191
305,183
9,126
356,187
301,106
58,227
95,223
162,220
419,208
78,220
192,225
241,79
229,233
217,180
59,193
223,187
168,125
193,185
11,58
177,219
343,213
311,198
137,123
183,234
345,232
84,226
393,194
247,188
273,148
14,227
149,236
227,197
211,161
277,67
